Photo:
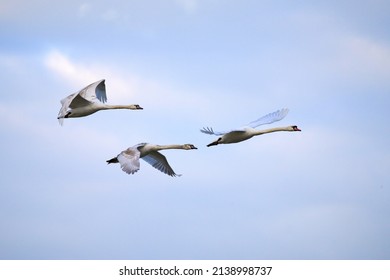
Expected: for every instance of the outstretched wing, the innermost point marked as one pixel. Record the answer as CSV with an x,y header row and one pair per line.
x,y
82,98
129,160
65,106
270,118
159,161
95,91
210,130
71,102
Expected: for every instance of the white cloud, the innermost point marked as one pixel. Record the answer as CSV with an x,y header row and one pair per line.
x,y
74,73
119,86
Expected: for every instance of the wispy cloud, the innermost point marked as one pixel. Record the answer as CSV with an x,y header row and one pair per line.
x,y
80,74
74,73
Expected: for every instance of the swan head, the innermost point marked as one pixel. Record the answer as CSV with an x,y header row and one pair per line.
x,y
136,107
189,147
215,142
295,128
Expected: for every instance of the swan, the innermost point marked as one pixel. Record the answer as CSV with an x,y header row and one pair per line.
x,y
129,158
86,102
246,132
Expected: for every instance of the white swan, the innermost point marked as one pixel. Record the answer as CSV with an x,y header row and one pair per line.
x,y
129,158
86,102
248,131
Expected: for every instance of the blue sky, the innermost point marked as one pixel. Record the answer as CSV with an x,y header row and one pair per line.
x,y
320,194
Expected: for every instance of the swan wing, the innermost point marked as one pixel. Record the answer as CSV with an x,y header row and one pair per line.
x,y
129,160
269,118
72,101
65,106
86,96
94,92
67,100
210,131
78,101
159,161
82,98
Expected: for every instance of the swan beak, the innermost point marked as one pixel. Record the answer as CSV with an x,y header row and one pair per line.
x,y
213,143
297,129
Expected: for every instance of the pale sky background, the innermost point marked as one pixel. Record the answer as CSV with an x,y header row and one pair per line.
x,y
323,193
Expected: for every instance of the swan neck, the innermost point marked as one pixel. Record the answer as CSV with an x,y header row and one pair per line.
x,y
167,147
270,130
107,106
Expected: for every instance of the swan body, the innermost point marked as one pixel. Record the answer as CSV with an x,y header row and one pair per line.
x,y
129,158
87,101
248,131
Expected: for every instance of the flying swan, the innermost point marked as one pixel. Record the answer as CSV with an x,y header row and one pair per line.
x,y
129,158
248,131
88,101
